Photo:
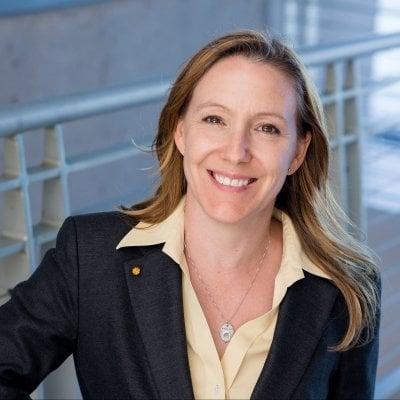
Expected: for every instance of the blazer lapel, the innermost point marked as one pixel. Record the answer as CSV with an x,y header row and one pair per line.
x,y
303,315
156,297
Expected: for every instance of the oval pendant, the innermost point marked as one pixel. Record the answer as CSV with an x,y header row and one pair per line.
x,y
226,332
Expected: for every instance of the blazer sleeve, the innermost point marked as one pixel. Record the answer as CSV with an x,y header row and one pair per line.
x,y
38,324
356,375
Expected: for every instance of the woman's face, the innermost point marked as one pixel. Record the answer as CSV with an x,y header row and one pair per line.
x,y
238,137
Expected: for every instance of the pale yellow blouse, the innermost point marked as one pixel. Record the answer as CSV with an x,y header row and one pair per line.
x,y
235,375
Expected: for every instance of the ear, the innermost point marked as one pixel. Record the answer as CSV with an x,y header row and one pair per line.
x,y
300,155
179,137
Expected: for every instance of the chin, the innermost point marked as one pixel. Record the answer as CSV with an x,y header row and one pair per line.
x,y
228,214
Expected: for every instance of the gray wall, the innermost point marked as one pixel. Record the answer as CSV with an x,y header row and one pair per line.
x,y
55,52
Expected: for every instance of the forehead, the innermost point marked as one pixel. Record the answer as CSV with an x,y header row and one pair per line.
x,y
240,81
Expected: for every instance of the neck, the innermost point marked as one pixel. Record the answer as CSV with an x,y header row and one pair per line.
x,y
225,247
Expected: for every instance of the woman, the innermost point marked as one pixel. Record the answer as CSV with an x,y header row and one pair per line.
x,y
235,280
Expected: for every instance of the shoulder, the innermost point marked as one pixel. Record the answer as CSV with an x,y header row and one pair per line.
x,y
96,228
320,290
112,221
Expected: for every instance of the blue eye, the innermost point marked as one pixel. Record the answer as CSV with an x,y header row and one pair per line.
x,y
212,119
268,128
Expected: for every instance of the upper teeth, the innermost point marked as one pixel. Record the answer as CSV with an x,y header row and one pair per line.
x,y
223,180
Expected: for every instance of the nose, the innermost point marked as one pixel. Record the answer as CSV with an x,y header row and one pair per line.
x,y
237,147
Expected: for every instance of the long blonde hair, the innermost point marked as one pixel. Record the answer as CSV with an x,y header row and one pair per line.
x,y
305,196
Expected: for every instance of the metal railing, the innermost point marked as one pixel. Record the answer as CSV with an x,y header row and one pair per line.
x,y
341,90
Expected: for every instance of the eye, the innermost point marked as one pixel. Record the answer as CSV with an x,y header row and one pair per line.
x,y
212,119
268,128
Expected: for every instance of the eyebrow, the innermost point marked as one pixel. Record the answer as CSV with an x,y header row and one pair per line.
x,y
259,114
210,104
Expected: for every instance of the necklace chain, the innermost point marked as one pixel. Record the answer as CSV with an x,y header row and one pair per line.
x,y
226,331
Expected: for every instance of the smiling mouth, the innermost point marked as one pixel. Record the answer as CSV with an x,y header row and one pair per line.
x,y
224,180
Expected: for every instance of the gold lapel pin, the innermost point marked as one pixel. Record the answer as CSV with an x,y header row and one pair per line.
x,y
135,271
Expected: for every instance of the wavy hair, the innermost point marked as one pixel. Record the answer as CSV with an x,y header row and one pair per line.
x,y
305,196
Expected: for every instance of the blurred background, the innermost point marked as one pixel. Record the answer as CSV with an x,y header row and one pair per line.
x,y
82,81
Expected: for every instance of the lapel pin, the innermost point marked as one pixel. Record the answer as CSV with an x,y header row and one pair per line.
x,y
135,271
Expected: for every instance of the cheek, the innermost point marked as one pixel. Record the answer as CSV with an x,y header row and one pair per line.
x,y
198,147
191,159
279,158
289,154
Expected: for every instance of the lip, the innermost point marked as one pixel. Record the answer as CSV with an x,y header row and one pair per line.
x,y
235,182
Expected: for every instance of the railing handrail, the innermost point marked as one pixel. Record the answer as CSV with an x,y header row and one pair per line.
x,y
22,117
355,48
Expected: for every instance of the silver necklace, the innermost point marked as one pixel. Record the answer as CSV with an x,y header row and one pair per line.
x,y
227,330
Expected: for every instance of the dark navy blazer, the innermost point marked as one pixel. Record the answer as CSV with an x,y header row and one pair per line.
x,y
127,331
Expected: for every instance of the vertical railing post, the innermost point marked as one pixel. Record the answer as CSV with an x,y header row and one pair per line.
x,y
17,214
56,207
334,116
352,128
56,202
342,110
